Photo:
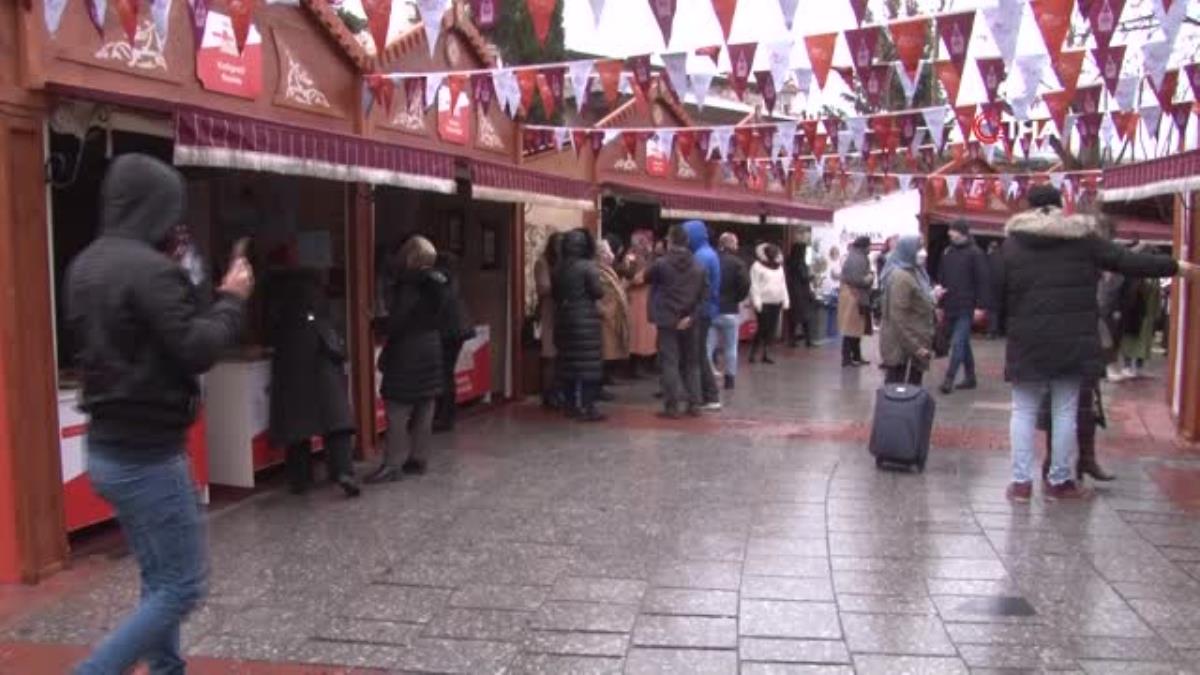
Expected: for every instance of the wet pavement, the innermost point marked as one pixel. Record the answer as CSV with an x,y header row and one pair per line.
x,y
759,540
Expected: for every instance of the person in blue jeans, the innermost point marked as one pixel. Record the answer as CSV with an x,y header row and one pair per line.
x,y
141,339
735,288
697,233
963,277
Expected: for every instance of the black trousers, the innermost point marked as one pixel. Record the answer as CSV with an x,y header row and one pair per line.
x,y
768,325
901,374
679,361
446,411
851,349
338,460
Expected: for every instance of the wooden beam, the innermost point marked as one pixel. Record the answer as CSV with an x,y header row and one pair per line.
x,y
360,309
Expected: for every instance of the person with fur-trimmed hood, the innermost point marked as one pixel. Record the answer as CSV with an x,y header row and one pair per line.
x,y
1052,263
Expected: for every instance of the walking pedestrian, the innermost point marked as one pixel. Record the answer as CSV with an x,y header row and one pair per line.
x,y
735,287
964,276
309,395
614,313
411,361
678,299
769,295
1140,307
456,329
854,301
577,325
143,340
543,279
800,295
906,333
1051,265
697,233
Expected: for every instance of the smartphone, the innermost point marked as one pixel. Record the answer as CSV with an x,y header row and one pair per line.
x,y
240,248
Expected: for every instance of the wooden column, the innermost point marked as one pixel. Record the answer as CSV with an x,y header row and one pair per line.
x,y
33,541
360,309
516,287
1183,382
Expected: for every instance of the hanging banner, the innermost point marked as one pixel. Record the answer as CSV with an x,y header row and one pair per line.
x,y
1181,113
720,141
1088,125
950,78
221,66
1170,15
630,140
52,11
1103,18
676,66
527,83
1154,61
483,91
1127,91
877,81
860,10
664,14
713,52
908,37
432,12
160,14
658,154
1054,21
955,32
1109,61
540,13
609,72
1193,75
993,74
597,10
779,60
700,84
725,9
1087,99
433,83
240,12
1152,117
456,84
640,67
909,85
579,138
127,12
906,126
965,115
1030,67
820,54
383,89
1058,102
685,141
784,140
741,58
580,73
1004,20
484,13
804,78
863,42
379,17
97,9
550,87
198,12
766,88
1125,123
1165,91
1067,67
788,8
508,91
857,126
935,121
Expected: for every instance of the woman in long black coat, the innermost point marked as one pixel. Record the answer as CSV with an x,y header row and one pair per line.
x,y
577,324
309,396
800,293
411,362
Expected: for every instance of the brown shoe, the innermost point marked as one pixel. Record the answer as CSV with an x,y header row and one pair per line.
x,y
1068,490
1019,492
1095,471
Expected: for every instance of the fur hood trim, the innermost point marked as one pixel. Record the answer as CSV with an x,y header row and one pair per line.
x,y
1051,223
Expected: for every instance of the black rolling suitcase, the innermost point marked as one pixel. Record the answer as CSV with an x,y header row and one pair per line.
x,y
902,426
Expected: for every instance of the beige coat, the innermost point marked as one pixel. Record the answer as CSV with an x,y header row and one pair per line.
x,y
852,322
908,321
614,316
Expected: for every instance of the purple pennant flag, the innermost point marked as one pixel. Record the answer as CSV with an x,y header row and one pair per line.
x,y
96,11
1089,127
860,10
741,58
788,7
1181,113
1104,15
664,14
484,12
198,10
1087,99
877,81
955,32
863,43
483,91
1192,70
993,74
640,65
160,12
597,139
414,93
1109,61
766,87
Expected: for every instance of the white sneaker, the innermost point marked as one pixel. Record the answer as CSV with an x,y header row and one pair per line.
x,y
1129,374
711,407
1115,374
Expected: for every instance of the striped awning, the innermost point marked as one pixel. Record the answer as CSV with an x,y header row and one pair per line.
x,y
684,202
204,138
514,184
1163,176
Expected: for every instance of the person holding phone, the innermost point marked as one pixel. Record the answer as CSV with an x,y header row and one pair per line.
x,y
143,341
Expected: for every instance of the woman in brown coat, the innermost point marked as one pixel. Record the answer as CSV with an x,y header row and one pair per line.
x,y
643,336
543,276
614,308
854,301
906,339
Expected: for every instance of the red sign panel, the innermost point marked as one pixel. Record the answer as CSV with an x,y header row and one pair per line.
x,y
220,68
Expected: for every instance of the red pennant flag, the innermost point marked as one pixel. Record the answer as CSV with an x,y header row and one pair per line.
x,y
383,89
818,144
992,72
1166,93
550,86
860,9
1126,124
847,74
610,79
1108,61
1058,102
766,87
483,90
527,82
810,132
1181,113
909,39
1103,16
240,12
664,14
127,10
950,77
456,84
955,32
966,119
741,59
820,54
878,80
1068,65
832,125
540,12
883,128
1087,99
725,10
379,15
1193,74
1089,128
578,139
686,142
1053,20
863,43
640,67
713,52
630,139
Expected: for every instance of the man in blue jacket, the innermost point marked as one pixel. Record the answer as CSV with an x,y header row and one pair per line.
x,y
711,263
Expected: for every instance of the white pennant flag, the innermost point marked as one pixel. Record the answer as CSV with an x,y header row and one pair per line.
x,y
700,85
1013,189
843,144
1031,67
785,139
804,79
779,61
508,92
580,73
160,13
856,183
676,66
562,136
909,85
918,140
858,131
52,11
723,137
1004,20
788,7
597,10
813,174
1154,60
935,121
952,181
611,135
1127,91
626,84
433,82
1108,131
1152,118
431,12
989,153
1056,179
1006,181
1170,21
1020,108
905,180
666,141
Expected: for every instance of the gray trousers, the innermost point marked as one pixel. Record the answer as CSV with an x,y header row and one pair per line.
x,y
679,360
409,428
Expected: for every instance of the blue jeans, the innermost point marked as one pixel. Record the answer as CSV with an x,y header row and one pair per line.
x,y
157,507
1064,412
724,334
960,348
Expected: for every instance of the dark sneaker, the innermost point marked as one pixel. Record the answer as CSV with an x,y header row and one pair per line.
x,y
349,486
606,396
670,414
1019,492
967,384
694,411
384,474
947,387
592,415
414,467
1068,490
729,382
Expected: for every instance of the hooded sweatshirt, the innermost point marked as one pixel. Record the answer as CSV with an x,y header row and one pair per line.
x,y
679,287
705,255
141,337
768,283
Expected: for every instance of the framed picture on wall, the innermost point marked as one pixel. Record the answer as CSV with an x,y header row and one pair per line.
x,y
455,242
490,256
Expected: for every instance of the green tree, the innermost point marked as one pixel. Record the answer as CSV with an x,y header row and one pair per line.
x,y
518,44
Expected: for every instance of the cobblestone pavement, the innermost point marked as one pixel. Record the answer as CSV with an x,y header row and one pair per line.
x,y
761,539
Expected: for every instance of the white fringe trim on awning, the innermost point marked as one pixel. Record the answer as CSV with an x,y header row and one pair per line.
x,y
1155,189
524,197
690,214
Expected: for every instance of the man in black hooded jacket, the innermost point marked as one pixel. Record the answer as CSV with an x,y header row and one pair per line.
x,y
680,288
143,340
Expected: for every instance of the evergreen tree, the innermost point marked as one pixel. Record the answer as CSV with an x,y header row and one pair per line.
x,y
517,41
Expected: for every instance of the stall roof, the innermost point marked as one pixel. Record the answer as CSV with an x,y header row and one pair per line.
x,y
993,223
685,202
1165,175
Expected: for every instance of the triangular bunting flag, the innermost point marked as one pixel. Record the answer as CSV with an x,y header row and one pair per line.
x,y
581,77
1170,15
597,11
857,126
820,55
700,84
908,38
483,13
877,81
127,12
432,12
713,52
1152,118
527,83
1109,61
905,181
906,127
725,10
935,121
579,139
993,74
1087,99
1127,91
379,16
1154,61
766,88
1104,15
198,12
456,83
1193,75
1125,124
666,141
1165,90
1058,102
804,78
1181,113
741,59
950,78
785,139
955,32
1053,20
508,91
52,11
1067,66
540,13
676,66
640,67
483,90
832,125
966,120
1031,67
788,8
779,61
952,182
664,14
909,85
550,87
609,72
722,137
433,82
1057,178
415,94
160,14
1004,20
863,43
562,136
860,10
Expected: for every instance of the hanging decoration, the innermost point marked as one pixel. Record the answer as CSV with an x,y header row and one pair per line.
x,y
198,13
550,87
804,78
483,90
664,14
766,88
676,66
484,13
713,52
1030,67
909,39
433,82
609,72
239,13
640,67
725,10
950,78
540,12
1058,102
741,58
1165,91
527,84
1103,18
1154,61
1127,91
788,8
432,12
992,72
820,55
1180,114
414,94
1067,67
97,9
1087,99
160,15
1054,21
1004,20
456,84
863,42
52,11
127,11
860,10
1152,118
1125,124
508,91
955,32
877,81
1192,70
909,84
379,16
1109,61
779,60
1170,15
700,84
965,115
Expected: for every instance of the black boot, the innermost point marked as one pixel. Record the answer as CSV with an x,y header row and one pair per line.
x,y
847,353
728,381
298,464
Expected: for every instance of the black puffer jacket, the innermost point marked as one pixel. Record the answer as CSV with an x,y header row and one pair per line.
x,y
735,282
577,324
142,336
411,362
964,274
1052,264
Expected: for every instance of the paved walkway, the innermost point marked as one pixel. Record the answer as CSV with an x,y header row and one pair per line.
x,y
761,539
